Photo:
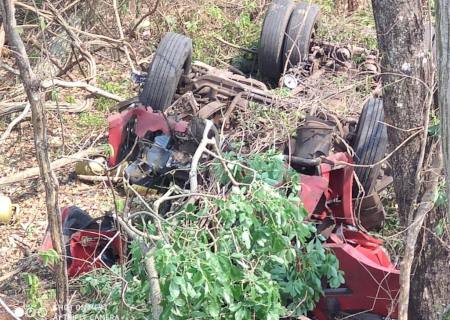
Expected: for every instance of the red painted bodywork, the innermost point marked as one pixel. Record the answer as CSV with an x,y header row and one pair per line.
x,y
86,246
146,120
371,280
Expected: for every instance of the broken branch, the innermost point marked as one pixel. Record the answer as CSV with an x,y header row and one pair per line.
x,y
57,164
82,85
14,122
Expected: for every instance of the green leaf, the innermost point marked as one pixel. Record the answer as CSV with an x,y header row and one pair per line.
x,y
277,259
174,290
42,24
241,314
246,239
213,309
49,257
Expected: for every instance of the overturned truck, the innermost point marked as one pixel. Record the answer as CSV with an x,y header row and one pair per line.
x,y
339,159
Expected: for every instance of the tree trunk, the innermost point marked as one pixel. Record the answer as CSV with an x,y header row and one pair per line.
x,y
32,87
430,285
400,33
443,61
407,95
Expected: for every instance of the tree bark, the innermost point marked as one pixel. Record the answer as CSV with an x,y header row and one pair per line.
x,y
407,94
443,61
400,32
32,87
430,286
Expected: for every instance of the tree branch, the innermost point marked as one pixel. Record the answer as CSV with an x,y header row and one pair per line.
x,y
57,164
32,86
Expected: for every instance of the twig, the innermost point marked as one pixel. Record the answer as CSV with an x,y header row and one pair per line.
x,y
385,158
235,45
197,155
155,291
8,310
14,122
119,26
82,85
129,229
9,68
76,42
152,11
11,273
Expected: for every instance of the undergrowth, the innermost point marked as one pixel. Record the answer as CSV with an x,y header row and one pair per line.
x,y
209,22
251,256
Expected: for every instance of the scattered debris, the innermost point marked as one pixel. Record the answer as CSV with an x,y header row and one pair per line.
x,y
90,243
190,113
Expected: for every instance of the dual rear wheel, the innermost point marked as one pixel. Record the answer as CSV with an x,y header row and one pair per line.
x,y
286,35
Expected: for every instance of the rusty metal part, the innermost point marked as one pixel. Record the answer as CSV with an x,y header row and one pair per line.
x,y
303,161
122,105
343,54
209,109
222,84
383,183
369,211
314,137
224,88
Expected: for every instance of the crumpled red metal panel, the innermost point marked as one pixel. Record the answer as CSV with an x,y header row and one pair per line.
x,y
146,120
311,190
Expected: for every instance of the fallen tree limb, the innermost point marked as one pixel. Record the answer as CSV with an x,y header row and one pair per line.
x,y
9,68
152,273
82,85
84,177
57,164
8,310
14,122
13,107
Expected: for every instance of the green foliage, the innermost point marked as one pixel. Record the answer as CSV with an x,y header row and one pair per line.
x,y
70,99
259,260
49,257
441,198
116,86
36,297
282,92
104,283
357,28
434,128
91,120
259,264
208,22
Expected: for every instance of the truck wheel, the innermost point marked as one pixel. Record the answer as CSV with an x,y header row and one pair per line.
x,y
172,59
299,32
270,60
370,143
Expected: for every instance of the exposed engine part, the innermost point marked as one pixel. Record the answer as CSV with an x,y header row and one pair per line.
x,y
314,138
155,161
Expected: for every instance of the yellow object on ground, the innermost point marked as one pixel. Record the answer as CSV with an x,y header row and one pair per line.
x,y
6,209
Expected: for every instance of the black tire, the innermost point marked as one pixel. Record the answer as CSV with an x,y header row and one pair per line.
x,y
299,32
370,143
270,60
172,59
